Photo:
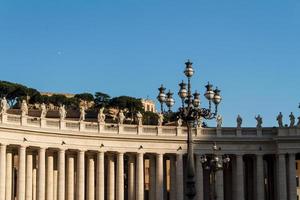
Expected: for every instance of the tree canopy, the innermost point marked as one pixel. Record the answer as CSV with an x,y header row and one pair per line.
x,y
101,99
15,92
131,103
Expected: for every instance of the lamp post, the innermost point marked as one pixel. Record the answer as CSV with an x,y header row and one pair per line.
x,y
191,112
216,163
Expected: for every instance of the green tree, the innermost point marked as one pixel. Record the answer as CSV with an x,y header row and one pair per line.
x,y
131,103
58,99
101,99
85,96
150,118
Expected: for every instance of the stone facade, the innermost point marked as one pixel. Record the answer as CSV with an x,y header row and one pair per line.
x,y
53,159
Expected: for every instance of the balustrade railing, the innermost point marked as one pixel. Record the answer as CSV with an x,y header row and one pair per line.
x,y
145,130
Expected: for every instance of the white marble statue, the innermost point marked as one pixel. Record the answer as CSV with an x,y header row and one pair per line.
x,y
298,124
121,117
101,115
139,118
179,122
279,120
82,113
160,119
24,108
259,121
4,106
239,121
292,120
43,111
219,121
62,112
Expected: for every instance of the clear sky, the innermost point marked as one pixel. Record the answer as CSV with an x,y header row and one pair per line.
x,y
250,49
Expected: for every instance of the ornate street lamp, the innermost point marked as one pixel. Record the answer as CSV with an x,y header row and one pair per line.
x,y
216,163
191,112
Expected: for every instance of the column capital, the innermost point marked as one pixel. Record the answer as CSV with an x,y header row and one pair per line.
x,y
83,150
23,146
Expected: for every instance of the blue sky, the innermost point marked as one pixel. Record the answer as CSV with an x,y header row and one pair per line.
x,y
250,49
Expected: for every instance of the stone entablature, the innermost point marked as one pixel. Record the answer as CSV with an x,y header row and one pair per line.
x,y
167,138
59,148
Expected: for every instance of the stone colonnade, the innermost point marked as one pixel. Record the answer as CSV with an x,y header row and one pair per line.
x,y
38,173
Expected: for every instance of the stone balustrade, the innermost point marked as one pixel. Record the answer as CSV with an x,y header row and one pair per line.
x,y
148,130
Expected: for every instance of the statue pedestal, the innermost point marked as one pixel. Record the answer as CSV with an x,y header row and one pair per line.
x,y
23,120
239,132
4,118
101,126
178,131
81,126
43,123
198,131
139,130
120,128
219,131
159,130
62,124
259,131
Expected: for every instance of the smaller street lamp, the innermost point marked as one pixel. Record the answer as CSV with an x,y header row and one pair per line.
x,y
213,165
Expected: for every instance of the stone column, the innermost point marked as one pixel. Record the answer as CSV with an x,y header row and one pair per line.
x,y
22,173
55,184
219,185
282,187
172,177
179,176
49,179
152,177
260,185
70,177
61,174
80,175
140,177
131,178
41,175
199,178
159,176
2,170
240,178
120,176
100,176
34,185
8,186
292,177
91,178
29,179
111,178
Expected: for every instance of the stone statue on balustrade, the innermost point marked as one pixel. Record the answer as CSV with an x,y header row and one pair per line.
x,y
199,123
43,111
62,112
24,108
292,120
279,120
101,115
219,121
239,121
82,113
139,118
160,119
298,124
179,122
4,106
259,121
121,117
